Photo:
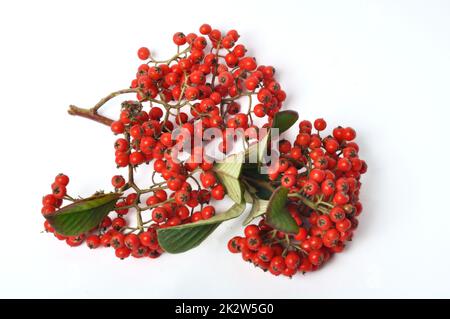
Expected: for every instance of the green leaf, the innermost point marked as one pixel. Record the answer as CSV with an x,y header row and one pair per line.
x,y
231,165
259,183
182,238
232,186
277,214
284,120
83,215
228,173
248,197
259,208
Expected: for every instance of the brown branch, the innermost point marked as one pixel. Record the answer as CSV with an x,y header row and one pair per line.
x,y
89,114
92,113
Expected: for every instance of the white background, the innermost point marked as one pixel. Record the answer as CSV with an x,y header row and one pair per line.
x,y
382,67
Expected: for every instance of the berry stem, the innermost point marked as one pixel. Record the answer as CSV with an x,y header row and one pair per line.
x,y
175,57
311,204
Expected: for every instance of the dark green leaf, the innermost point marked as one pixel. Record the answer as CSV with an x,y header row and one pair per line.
x,y
277,214
259,183
284,120
182,238
82,215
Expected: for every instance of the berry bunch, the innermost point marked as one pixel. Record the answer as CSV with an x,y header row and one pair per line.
x,y
323,178
200,87
211,83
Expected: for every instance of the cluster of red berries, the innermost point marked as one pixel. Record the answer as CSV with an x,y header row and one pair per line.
x,y
209,77
323,178
51,202
211,82
198,88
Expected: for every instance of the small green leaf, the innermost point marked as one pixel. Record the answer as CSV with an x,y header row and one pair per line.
x,y
277,215
228,173
231,165
259,208
83,215
182,238
284,120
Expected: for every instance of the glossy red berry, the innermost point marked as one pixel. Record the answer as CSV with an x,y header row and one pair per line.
x,y
143,53
292,260
208,212
62,179
123,252
132,241
205,29
118,181
320,124
277,265
265,253
117,127
93,241
251,230
234,244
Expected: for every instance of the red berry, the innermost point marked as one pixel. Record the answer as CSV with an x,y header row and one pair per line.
x,y
234,245
292,260
251,230
343,225
337,214
143,53
59,190
316,257
117,240
117,127
118,181
265,253
218,192
159,215
277,265
123,252
349,134
320,124
62,179
179,38
288,181
208,179
49,200
93,241
132,241
208,212
47,210
324,222
136,158
317,175
118,223
311,188
341,198
205,29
